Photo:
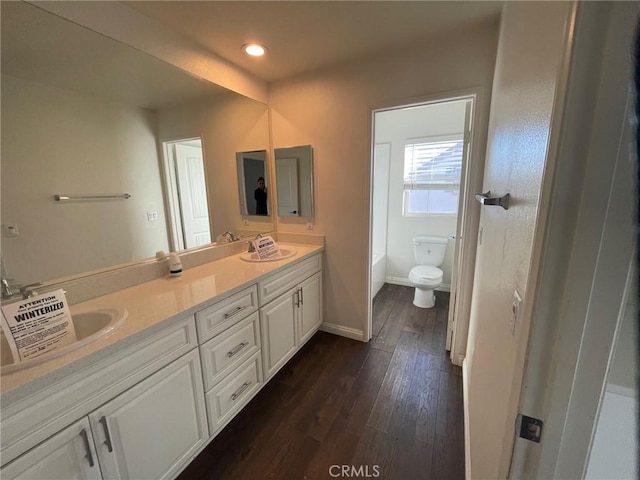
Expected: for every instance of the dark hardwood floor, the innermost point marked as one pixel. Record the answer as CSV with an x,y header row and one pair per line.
x,y
391,408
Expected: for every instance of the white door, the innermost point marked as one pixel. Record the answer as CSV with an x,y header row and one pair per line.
x,y
454,298
152,429
193,195
69,454
518,148
310,308
277,323
287,175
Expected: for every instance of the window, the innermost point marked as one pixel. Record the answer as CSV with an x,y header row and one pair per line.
x,y
432,168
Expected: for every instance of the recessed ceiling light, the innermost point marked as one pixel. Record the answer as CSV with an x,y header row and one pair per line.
x,y
254,49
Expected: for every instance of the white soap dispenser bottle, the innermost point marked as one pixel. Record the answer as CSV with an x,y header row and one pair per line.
x,y
175,265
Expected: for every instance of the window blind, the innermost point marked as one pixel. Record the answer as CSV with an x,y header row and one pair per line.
x,y
433,165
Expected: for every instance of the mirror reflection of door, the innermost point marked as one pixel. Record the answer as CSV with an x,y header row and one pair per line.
x,y
187,194
255,186
287,175
253,183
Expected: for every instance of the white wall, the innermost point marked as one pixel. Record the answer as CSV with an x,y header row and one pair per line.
x,y
395,127
526,86
614,453
623,372
59,141
331,110
228,124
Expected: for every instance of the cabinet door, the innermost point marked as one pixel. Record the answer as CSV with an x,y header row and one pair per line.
x,y
152,429
310,311
70,454
278,327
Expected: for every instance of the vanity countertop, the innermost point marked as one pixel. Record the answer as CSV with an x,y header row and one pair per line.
x,y
150,306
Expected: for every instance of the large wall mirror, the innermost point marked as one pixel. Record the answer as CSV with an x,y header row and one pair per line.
x,y
294,180
84,115
253,183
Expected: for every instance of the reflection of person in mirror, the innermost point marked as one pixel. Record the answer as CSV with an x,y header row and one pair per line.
x,y
260,194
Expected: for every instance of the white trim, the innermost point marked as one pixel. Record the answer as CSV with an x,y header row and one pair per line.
x,y
444,287
343,331
458,360
398,281
465,407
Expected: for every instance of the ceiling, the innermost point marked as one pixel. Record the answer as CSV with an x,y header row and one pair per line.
x,y
303,36
41,47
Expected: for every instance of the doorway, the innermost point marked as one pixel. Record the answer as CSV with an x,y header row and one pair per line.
x,y
186,187
420,187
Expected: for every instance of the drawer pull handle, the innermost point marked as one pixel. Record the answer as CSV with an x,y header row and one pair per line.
x,y
238,392
85,440
235,311
301,297
296,301
107,437
236,349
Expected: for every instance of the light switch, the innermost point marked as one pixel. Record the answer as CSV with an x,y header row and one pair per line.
x,y
10,230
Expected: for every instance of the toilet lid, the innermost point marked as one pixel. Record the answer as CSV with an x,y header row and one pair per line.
x,y
426,271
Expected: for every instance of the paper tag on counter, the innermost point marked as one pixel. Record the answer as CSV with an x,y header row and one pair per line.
x,y
38,325
266,248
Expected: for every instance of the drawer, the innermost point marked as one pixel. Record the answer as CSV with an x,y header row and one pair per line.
x,y
225,313
278,283
232,393
224,352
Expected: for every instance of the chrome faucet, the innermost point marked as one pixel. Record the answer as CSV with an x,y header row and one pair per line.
x,y
7,291
251,247
227,237
29,291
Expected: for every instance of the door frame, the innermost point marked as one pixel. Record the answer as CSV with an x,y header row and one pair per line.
x,y
471,183
171,191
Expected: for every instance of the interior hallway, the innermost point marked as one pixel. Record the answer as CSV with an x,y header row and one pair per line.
x,y
394,403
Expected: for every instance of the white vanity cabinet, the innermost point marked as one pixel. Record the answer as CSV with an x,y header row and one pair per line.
x,y
69,454
152,429
146,409
140,413
291,311
149,431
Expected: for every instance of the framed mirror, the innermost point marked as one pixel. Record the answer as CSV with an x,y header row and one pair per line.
x,y
85,115
253,183
294,181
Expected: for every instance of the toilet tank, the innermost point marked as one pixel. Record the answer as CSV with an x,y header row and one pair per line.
x,y
429,249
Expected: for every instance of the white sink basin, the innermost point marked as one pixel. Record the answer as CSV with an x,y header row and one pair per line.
x,y
253,256
89,325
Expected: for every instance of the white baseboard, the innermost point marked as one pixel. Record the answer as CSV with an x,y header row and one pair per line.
x,y
343,331
465,405
398,281
444,287
458,360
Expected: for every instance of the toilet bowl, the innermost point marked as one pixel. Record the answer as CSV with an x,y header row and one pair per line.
x,y
425,279
429,252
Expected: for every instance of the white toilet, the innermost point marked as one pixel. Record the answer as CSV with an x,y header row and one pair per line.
x,y
428,252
